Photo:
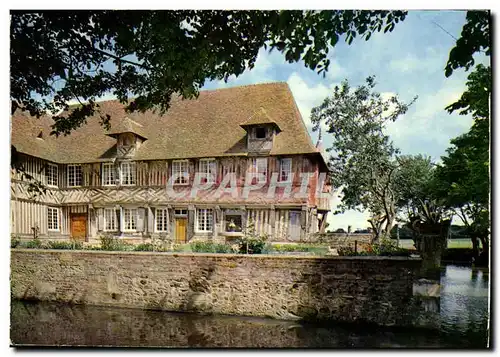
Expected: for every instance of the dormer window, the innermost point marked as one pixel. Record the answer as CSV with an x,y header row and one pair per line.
x,y
260,132
127,139
129,136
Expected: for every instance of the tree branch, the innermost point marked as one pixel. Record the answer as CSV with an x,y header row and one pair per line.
x,y
463,217
121,59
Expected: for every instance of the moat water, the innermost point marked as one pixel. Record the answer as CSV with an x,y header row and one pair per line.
x,y
464,314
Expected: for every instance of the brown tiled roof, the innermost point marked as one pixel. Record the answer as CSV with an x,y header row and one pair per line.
x,y
259,117
208,126
126,125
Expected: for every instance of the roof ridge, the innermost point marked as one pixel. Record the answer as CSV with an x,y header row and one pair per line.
x,y
258,113
245,85
204,90
133,121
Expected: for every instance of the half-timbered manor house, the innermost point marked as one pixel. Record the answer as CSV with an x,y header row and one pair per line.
x,y
114,182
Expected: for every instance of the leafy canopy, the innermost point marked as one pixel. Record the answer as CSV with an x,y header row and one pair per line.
x,y
58,56
475,99
414,182
464,174
475,37
362,160
463,178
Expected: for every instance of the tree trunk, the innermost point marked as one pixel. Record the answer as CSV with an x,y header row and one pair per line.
x,y
388,227
483,259
378,232
475,249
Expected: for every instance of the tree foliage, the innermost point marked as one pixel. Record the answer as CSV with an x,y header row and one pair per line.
x,y
363,164
463,179
475,99
58,56
475,37
414,183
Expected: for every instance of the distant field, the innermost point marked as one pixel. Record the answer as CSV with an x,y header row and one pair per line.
x,y
452,243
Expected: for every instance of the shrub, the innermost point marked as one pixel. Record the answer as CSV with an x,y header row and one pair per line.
x,y
317,249
182,248
202,247
162,243
65,245
210,247
111,243
252,243
251,246
149,247
145,247
223,248
15,242
33,244
384,248
387,247
346,251
93,247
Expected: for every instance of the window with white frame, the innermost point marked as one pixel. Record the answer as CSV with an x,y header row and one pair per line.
x,y
180,171
127,170
208,168
161,220
51,174
259,166
285,170
108,174
130,219
52,219
181,212
204,220
110,220
74,175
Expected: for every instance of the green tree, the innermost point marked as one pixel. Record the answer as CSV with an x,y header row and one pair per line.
x,y
463,179
475,100
414,183
421,210
475,37
363,161
58,56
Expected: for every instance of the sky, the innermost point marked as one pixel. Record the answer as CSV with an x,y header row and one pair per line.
x,y
409,62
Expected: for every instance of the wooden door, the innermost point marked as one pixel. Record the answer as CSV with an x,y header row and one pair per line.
x,y
79,226
294,226
180,230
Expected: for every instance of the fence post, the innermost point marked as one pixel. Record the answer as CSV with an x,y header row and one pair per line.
x,y
356,246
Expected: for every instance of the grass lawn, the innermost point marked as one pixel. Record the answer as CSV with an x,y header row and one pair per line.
x,y
452,243
460,243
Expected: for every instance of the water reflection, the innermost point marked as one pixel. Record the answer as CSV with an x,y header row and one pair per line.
x,y
464,303
464,312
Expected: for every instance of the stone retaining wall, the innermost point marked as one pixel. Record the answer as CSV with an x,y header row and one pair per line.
x,y
365,289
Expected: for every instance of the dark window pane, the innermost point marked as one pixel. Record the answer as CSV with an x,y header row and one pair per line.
x,y
260,133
